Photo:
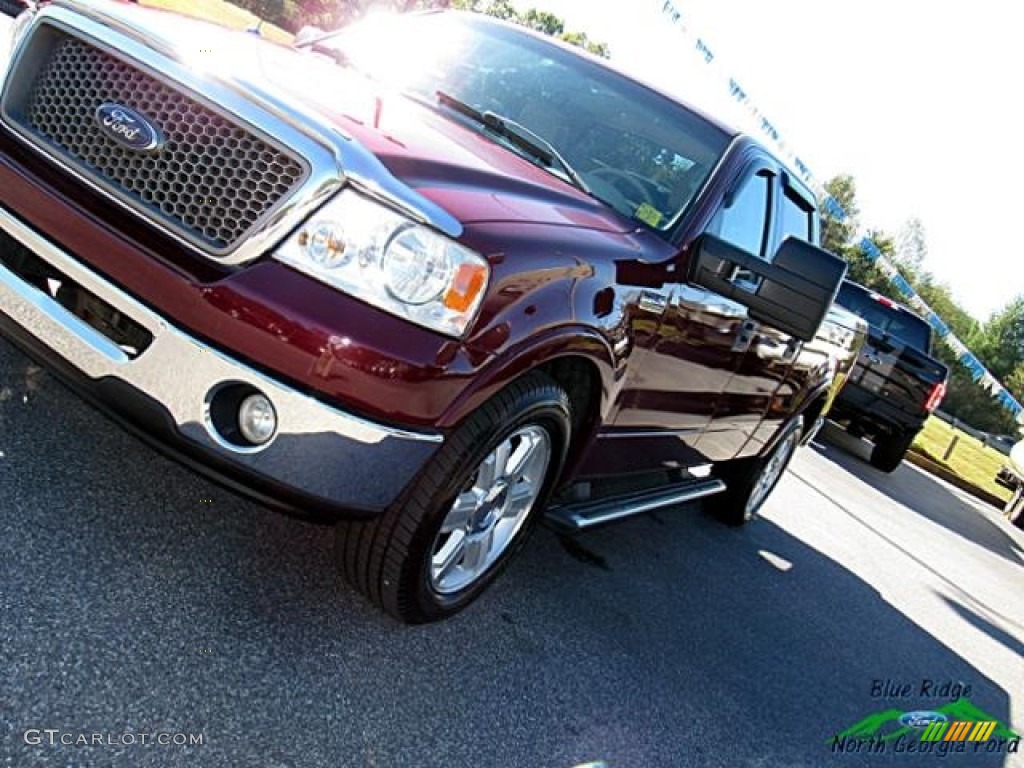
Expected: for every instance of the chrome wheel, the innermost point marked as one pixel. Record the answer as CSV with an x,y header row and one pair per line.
x,y
490,510
771,472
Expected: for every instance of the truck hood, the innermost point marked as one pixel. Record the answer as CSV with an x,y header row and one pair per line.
x,y
468,175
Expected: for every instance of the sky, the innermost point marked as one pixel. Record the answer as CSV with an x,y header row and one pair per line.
x,y
917,100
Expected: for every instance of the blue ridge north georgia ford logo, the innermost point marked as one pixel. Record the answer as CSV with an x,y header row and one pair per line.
x,y
127,127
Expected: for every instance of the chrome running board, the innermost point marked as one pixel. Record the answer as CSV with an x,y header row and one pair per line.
x,y
579,516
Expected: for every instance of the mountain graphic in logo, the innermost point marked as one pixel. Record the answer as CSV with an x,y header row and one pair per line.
x,y
888,725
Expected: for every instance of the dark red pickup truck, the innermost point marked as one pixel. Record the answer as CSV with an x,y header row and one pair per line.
x,y
428,303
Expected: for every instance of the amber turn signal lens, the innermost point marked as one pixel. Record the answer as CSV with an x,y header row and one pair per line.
x,y
466,286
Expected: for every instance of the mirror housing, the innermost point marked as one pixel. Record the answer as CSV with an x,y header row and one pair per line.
x,y
792,293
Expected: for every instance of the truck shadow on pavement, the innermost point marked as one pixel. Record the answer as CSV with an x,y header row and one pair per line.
x,y
750,627
930,498
138,596
984,624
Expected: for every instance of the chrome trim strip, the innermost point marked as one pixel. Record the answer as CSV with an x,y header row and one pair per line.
x,y
359,166
648,433
12,37
576,517
178,371
812,433
38,302
652,301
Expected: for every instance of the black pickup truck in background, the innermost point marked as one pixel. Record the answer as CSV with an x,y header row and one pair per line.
x,y
896,383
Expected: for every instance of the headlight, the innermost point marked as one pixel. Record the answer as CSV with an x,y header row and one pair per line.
x,y
385,259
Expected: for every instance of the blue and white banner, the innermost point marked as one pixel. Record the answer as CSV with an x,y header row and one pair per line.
x,y
832,207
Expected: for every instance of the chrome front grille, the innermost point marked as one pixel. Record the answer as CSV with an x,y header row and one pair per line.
x,y
211,180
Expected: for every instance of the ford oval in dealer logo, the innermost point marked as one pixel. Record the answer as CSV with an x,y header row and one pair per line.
x,y
922,718
127,127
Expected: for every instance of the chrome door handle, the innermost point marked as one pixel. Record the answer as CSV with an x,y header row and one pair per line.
x,y
652,301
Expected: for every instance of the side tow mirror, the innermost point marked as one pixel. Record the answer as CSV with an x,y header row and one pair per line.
x,y
792,293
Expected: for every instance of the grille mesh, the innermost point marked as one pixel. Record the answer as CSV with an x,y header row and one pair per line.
x,y
211,180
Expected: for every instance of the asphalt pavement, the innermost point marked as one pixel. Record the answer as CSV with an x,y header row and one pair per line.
x,y
138,599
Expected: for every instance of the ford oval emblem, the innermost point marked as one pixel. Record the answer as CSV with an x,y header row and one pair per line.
x,y
921,719
127,127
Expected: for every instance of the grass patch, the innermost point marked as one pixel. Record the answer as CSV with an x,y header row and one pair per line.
x,y
971,459
222,13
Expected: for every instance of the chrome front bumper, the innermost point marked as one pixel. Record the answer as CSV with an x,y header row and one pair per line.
x,y
319,451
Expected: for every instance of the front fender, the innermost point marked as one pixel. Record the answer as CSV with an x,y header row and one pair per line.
x,y
566,341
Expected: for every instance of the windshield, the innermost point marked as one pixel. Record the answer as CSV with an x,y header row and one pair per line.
x,y
903,325
634,149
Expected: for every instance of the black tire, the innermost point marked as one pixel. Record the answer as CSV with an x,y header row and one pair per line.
x,y
889,451
1014,509
737,505
389,558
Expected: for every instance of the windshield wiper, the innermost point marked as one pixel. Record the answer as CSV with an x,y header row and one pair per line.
x,y
518,134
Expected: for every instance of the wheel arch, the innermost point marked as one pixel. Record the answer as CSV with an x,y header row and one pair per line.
x,y
578,359
811,408
815,408
562,355
581,380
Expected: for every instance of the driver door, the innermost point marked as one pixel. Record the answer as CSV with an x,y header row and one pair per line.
x,y
761,356
681,396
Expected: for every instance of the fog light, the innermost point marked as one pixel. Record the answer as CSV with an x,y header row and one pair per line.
x,y
257,420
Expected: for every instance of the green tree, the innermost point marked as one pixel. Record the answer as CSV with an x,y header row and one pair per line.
x,y
939,297
837,236
283,13
543,21
425,5
966,400
1000,342
502,9
864,271
581,40
329,14
912,245
1015,382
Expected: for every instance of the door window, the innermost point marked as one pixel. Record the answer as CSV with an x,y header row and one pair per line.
x,y
744,221
796,218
